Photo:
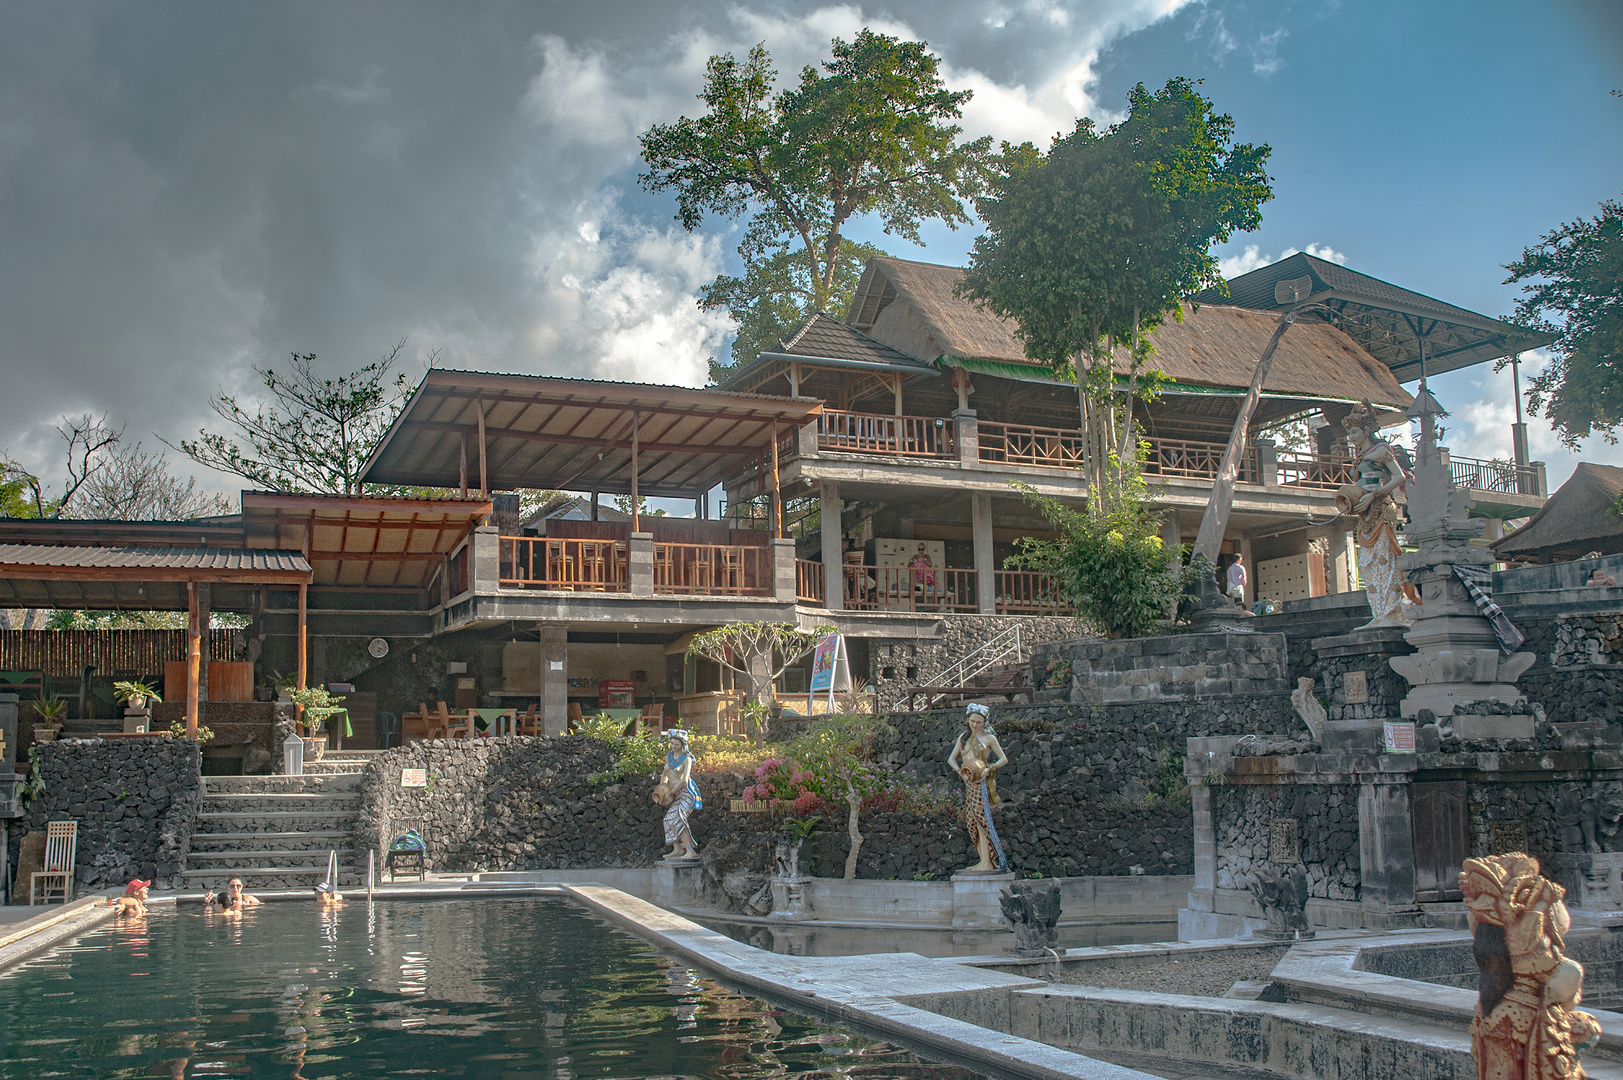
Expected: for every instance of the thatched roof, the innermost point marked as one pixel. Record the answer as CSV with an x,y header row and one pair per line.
x,y
1575,520
911,306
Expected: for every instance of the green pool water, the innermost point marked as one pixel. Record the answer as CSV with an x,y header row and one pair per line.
x,y
504,989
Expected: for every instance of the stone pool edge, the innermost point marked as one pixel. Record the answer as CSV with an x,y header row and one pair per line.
x,y
52,926
860,990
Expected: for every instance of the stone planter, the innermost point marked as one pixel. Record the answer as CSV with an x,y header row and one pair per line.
x,y
45,733
315,746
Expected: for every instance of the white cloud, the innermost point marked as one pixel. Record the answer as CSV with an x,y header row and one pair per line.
x,y
1252,258
1265,59
368,90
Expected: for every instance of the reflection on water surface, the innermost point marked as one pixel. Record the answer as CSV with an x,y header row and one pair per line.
x,y
504,989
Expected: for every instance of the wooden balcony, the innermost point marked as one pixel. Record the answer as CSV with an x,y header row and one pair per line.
x,y
539,562
712,569
876,433
809,582
946,589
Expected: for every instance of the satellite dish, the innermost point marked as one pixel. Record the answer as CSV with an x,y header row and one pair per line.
x,y
1293,291
378,648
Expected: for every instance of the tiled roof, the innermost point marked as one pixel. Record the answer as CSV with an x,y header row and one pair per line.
x,y
198,558
823,336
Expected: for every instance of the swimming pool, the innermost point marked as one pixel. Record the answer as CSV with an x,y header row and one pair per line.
x,y
504,989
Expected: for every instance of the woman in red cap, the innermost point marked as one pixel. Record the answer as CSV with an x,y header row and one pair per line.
x,y
133,902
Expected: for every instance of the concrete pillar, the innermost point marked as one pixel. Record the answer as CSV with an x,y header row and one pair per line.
x,y
1385,850
1347,560
828,508
985,576
554,680
783,568
806,440
967,435
1268,462
485,560
1541,481
1250,572
640,563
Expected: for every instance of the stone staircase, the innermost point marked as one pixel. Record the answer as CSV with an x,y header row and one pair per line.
x,y
275,832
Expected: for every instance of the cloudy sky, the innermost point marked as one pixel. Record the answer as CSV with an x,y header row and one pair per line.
x,y
187,189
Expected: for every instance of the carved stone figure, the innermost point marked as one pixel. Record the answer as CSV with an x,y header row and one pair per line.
x,y
1283,899
1373,501
678,791
1306,704
976,756
1031,908
1527,1026
1590,817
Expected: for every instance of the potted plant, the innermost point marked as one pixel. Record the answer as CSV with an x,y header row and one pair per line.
x,y
316,706
285,685
51,710
135,694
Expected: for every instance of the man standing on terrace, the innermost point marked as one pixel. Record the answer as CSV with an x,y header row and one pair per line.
x,y
1237,580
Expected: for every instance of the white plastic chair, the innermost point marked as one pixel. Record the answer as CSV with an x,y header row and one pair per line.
x,y
61,846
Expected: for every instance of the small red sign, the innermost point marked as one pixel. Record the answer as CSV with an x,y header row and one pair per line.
x,y
1400,738
616,693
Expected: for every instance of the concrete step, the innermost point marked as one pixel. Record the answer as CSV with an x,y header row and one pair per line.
x,y
286,841
230,862
273,877
335,783
334,768
279,822
345,802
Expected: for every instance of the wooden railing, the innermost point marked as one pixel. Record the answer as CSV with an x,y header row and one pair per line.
x,y
1027,591
1196,460
712,569
876,433
809,584
1296,469
1021,444
1501,476
902,588
573,565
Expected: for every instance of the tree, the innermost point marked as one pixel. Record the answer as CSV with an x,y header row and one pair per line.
x,y
1093,245
314,436
1574,290
775,294
758,652
90,441
1110,565
874,135
134,485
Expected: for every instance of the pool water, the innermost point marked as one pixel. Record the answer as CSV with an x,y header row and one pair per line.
x,y
499,989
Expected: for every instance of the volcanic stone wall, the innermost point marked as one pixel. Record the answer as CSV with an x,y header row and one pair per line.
x,y
1323,822
1579,672
136,802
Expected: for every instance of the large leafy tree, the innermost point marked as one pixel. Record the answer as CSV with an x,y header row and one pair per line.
x,y
872,133
1095,243
1573,287
313,435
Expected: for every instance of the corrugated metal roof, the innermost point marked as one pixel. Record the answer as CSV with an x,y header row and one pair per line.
x,y
244,560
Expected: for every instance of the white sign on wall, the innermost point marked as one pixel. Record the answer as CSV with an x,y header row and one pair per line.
x,y
414,778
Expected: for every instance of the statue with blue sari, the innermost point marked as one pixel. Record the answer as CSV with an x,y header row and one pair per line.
x,y
679,792
976,756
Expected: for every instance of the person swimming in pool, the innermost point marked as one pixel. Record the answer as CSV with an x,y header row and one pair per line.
x,y
328,898
133,902
233,890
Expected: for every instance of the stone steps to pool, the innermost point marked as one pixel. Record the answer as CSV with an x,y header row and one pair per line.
x,y
276,831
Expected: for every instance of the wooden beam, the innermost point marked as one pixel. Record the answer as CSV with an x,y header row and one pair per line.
x,y
484,480
194,658
617,439
777,494
304,634
462,466
636,514
27,571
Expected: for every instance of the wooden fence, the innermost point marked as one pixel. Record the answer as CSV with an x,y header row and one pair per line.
x,y
125,653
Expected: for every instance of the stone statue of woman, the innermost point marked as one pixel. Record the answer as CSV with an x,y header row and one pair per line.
x,y
680,792
1527,1024
976,756
1373,501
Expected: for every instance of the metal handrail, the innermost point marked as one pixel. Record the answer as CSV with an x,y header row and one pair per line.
x,y
998,651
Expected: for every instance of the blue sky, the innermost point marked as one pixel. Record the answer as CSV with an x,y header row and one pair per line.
x,y
188,189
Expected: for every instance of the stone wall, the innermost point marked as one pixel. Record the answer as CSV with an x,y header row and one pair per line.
x,y
1178,667
136,802
1323,821
896,664
1369,652
1578,675
251,725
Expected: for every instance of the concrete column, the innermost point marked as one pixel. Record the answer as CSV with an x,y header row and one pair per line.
x,y
828,508
806,440
1250,572
1268,462
640,563
783,568
967,435
1385,849
985,578
485,560
554,680
1541,481
1348,560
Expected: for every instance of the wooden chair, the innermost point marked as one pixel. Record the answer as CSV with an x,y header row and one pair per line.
x,y
652,718
528,722
459,726
574,715
61,847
